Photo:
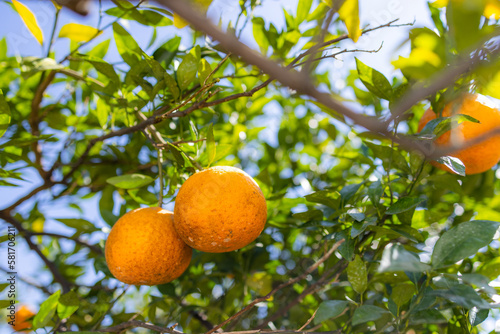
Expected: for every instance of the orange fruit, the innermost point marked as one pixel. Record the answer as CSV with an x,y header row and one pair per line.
x,y
220,209
21,316
477,158
143,248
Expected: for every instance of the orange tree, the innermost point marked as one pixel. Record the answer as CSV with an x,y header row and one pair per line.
x,y
363,234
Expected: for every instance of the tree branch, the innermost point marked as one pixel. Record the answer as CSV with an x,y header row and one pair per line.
x,y
58,277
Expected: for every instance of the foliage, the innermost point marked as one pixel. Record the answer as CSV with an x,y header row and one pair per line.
x,y
418,246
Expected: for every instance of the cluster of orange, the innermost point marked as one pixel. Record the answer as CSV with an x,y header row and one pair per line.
x,y
219,209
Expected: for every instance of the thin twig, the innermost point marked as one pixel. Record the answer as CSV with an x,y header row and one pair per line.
x,y
93,248
309,320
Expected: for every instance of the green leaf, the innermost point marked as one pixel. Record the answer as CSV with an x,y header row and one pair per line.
x,y
396,258
346,249
357,275
375,192
404,204
130,181
127,47
211,149
348,192
186,73
29,20
349,14
424,317
172,85
477,316
462,295
309,215
204,71
47,311
142,196
374,81
455,164
329,309
402,293
80,225
366,313
438,126
166,53
259,34
463,241
303,8
103,110
20,142
79,32
68,304
5,115
102,67
464,19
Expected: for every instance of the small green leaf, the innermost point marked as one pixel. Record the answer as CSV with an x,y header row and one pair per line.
x,y
463,241
309,215
79,32
142,196
80,225
130,181
477,316
374,81
127,47
303,8
204,71
349,14
166,53
404,204
346,249
186,73
366,313
357,275
103,110
402,293
375,192
259,34
172,85
348,192
5,114
47,310
329,309
211,149
68,304
455,164
29,20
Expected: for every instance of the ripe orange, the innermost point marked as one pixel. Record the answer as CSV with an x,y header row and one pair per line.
x,y
220,209
143,248
477,158
22,315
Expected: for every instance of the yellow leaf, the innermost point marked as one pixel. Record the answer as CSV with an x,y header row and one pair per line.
x,y
79,32
349,14
58,6
179,22
492,9
202,5
29,20
440,3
